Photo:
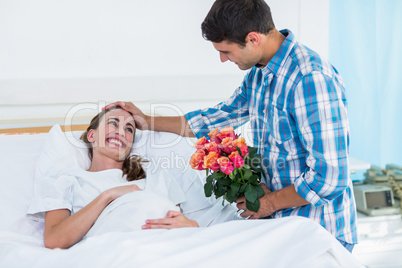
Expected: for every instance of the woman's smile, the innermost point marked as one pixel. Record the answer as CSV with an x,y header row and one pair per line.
x,y
114,141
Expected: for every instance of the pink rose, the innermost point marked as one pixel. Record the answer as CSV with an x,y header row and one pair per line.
x,y
225,165
212,147
227,145
237,160
241,144
201,142
228,132
214,136
211,161
197,160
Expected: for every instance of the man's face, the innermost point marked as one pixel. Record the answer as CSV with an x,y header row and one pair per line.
x,y
244,57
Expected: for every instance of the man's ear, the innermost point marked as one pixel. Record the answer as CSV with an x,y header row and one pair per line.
x,y
91,136
253,38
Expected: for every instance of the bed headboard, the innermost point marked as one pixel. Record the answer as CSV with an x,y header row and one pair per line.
x,y
44,129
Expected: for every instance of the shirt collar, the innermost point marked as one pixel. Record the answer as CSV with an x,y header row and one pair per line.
x,y
278,60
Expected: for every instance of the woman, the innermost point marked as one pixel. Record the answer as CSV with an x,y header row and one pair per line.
x,y
79,198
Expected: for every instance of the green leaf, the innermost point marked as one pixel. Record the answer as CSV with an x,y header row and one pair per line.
x,y
218,184
208,187
230,197
257,170
235,171
251,193
242,188
234,188
260,191
257,157
253,206
219,189
219,193
254,179
225,181
252,151
247,174
255,161
218,175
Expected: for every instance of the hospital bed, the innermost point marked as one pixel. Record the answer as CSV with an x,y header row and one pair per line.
x,y
285,242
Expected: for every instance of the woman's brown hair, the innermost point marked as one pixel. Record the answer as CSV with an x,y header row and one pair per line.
x,y
132,165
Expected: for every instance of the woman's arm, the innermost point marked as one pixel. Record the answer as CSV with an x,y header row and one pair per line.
x,y
62,230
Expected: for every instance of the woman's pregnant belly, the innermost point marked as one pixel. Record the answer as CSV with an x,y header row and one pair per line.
x,y
129,212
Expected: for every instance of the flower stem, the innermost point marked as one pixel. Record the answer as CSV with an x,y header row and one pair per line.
x,y
241,175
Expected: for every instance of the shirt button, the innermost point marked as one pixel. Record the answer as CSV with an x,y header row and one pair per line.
x,y
264,111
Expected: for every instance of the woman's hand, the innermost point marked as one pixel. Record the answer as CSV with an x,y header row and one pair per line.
x,y
141,120
116,192
173,219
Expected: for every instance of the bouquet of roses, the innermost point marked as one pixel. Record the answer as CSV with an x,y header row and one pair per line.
x,y
236,167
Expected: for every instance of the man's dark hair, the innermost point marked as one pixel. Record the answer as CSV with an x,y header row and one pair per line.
x,y
232,20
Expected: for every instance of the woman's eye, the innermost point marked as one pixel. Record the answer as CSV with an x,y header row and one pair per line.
x,y
113,123
130,130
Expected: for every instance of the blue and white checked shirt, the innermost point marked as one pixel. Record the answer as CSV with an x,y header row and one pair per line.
x,y
296,106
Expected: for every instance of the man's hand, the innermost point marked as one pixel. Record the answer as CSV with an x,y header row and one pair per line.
x,y
271,202
141,120
173,219
266,206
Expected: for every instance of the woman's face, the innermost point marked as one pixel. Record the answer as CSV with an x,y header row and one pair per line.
x,y
115,135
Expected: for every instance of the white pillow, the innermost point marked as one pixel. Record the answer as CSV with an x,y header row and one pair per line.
x,y
163,150
61,152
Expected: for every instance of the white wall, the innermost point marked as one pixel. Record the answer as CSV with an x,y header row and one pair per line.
x,y
56,54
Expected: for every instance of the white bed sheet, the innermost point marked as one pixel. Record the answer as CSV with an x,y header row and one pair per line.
x,y
288,242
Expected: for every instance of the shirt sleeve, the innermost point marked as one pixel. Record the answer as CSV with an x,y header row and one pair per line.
x,y
321,115
232,112
50,194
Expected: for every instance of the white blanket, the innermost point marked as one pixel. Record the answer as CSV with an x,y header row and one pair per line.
x,y
287,242
129,212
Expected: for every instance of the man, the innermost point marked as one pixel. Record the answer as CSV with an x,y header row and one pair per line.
x,y
296,104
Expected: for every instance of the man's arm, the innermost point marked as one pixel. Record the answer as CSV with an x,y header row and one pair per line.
x,y
321,117
173,124
232,112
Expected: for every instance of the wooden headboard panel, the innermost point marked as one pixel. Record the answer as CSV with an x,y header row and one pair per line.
x,y
42,129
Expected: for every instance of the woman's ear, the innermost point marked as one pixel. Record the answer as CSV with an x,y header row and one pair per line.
x,y
91,136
